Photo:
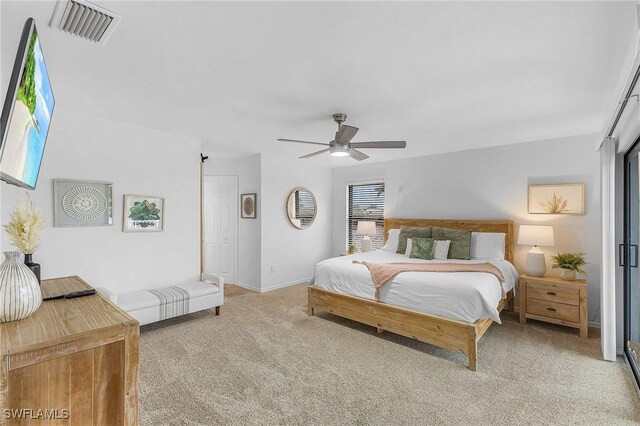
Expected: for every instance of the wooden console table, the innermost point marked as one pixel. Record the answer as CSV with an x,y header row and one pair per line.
x,y
74,360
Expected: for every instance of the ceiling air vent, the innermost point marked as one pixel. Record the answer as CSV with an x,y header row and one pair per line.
x,y
83,19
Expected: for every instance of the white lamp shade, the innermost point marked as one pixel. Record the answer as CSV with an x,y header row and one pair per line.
x,y
366,227
536,235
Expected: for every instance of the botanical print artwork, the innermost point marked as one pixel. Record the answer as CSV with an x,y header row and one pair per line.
x,y
248,206
555,205
556,199
143,213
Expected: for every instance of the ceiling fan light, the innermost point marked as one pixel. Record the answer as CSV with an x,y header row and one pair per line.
x,y
339,151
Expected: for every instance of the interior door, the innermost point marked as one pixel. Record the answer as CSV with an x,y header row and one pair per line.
x,y
629,255
221,226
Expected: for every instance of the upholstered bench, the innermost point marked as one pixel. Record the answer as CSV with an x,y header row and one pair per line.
x,y
157,304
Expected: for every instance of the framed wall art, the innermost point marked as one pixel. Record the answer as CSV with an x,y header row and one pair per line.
x,y
248,206
557,199
82,203
143,213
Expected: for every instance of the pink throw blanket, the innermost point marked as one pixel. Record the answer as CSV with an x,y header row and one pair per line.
x,y
382,273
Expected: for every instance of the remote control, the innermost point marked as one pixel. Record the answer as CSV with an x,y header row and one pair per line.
x,y
80,293
72,295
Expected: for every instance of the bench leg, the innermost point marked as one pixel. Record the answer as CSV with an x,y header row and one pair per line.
x,y
217,310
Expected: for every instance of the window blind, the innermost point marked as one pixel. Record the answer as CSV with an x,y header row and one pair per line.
x,y
305,208
365,202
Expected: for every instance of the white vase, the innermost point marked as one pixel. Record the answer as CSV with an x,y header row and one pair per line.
x,y
568,274
20,294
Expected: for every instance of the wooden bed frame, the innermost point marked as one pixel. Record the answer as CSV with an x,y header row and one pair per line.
x,y
439,331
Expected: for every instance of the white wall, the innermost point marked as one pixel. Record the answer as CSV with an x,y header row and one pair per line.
x,y
292,252
489,183
248,171
270,242
138,161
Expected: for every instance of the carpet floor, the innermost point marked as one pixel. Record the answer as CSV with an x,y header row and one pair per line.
x,y
264,361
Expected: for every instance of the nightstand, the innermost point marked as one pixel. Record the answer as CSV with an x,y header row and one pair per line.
x,y
554,300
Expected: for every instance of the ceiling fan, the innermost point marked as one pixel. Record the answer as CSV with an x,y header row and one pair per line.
x,y
342,146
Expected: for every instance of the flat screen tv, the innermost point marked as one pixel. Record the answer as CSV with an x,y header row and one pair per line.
x,y
26,115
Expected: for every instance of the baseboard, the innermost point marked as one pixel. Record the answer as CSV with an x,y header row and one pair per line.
x,y
275,287
278,286
246,286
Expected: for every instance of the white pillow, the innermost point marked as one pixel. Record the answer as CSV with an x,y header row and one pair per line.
x,y
487,245
440,249
407,252
392,240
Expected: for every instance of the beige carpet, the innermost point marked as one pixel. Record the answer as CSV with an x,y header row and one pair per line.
x,y
264,361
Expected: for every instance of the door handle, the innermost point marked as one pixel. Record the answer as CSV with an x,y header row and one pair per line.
x,y
621,255
633,258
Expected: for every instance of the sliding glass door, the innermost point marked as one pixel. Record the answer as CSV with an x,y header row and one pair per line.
x,y
629,258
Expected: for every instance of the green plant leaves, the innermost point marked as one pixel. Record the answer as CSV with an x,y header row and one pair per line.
x,y
571,261
144,210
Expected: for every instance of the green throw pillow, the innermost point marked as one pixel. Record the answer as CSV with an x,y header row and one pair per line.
x,y
460,247
422,248
408,232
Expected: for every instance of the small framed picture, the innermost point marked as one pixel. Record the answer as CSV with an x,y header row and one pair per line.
x,y
248,206
557,199
143,213
82,203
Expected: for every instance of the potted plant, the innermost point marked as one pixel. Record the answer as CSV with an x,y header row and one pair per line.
x,y
569,263
26,223
19,280
353,249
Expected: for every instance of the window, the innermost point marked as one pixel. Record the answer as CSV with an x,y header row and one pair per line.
x,y
305,208
365,202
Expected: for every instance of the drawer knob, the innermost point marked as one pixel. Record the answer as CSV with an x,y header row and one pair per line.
x,y
551,309
550,293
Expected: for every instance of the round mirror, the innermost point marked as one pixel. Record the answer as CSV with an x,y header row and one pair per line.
x,y
301,208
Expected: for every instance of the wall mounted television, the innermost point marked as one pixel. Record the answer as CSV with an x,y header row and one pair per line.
x,y
26,115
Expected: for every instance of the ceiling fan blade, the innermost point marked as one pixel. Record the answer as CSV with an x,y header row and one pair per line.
x,y
298,141
354,153
345,134
313,154
380,144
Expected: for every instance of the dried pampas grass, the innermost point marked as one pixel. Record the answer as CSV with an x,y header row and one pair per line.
x,y
26,223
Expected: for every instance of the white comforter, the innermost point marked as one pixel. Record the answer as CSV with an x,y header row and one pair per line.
x,y
464,296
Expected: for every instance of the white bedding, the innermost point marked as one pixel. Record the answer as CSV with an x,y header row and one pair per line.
x,y
464,296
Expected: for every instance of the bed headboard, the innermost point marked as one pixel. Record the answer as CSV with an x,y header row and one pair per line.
x,y
504,226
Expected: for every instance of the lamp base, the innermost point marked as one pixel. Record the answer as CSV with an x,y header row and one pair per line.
x,y
366,244
535,264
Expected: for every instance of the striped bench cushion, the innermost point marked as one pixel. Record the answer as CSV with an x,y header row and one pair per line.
x,y
170,301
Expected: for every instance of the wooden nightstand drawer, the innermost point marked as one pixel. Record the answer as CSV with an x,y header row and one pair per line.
x,y
553,293
549,309
554,300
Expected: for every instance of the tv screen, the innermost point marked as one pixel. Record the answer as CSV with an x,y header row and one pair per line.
x,y
26,115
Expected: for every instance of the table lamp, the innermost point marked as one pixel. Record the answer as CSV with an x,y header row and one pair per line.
x,y
366,228
536,235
